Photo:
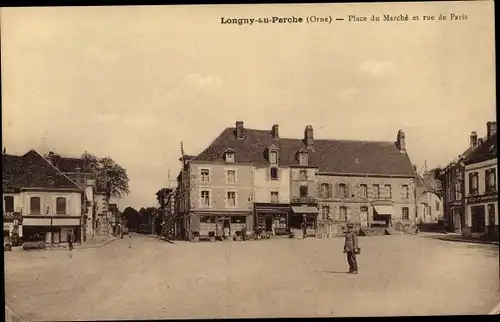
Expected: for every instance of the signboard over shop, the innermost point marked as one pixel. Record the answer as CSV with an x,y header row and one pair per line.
x,y
482,198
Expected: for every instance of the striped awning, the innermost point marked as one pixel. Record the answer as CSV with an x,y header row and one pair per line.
x,y
305,210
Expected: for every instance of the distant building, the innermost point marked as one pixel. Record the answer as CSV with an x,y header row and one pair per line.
x,y
255,177
429,202
481,187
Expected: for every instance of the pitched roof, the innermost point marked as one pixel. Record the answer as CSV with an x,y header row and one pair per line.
x,y
339,156
32,170
67,164
486,151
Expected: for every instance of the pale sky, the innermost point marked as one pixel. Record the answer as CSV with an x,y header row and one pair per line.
x,y
132,82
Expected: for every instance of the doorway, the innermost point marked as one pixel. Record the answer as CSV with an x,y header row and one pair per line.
x,y
478,219
269,223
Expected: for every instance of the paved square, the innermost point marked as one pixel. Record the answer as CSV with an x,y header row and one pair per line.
x,y
399,275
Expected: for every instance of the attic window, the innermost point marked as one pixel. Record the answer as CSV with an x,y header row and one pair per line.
x,y
229,155
273,157
303,157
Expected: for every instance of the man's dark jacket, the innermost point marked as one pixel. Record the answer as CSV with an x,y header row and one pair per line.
x,y
351,242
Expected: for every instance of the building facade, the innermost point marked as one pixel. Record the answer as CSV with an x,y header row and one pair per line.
x,y
429,202
481,189
47,202
278,183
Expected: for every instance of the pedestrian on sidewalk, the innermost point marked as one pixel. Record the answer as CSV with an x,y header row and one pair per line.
x,y
351,248
244,232
70,240
304,228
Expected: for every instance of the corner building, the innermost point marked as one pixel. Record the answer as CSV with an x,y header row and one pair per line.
x,y
258,178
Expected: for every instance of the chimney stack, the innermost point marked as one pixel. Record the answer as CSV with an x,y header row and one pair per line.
x,y
239,129
309,137
491,129
401,141
275,132
78,176
53,158
473,138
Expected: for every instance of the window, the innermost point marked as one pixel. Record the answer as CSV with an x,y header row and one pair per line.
x,y
491,180
458,191
303,158
207,219
231,176
473,183
231,198
388,191
303,174
61,206
376,191
230,157
406,191
35,206
205,198
343,190
238,219
363,191
325,212
8,202
363,209
325,190
274,197
303,191
405,213
343,213
437,205
274,173
273,157
205,175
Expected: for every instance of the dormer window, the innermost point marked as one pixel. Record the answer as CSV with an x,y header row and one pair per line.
x,y
273,154
303,157
229,155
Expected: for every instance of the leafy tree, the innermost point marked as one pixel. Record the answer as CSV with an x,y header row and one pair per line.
x,y
110,176
131,217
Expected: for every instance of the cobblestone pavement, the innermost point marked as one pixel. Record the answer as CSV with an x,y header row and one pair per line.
x,y
144,278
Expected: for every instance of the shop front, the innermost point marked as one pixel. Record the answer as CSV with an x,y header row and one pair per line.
x,y
482,215
53,230
383,214
218,226
307,214
13,229
272,218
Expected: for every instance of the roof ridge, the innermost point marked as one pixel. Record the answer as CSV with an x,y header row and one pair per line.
x,y
59,171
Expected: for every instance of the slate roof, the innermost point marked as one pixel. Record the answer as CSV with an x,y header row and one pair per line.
x,y
486,151
32,170
339,156
67,164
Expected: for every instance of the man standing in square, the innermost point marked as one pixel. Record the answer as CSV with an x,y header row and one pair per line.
x,y
351,248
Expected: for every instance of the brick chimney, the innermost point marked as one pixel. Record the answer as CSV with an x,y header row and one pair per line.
x,y
473,138
239,129
78,177
309,137
401,141
275,132
491,129
53,158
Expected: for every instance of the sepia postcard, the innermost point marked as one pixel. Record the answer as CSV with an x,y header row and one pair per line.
x,y
249,161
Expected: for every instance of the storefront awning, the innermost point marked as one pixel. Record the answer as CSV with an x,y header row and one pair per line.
x,y
305,210
384,210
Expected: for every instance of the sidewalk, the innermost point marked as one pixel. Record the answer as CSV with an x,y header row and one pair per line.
x,y
96,242
454,237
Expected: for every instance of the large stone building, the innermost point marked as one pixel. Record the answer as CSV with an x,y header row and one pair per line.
x,y
257,178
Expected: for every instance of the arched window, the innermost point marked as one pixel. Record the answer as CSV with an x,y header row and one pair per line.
x,y
61,206
35,205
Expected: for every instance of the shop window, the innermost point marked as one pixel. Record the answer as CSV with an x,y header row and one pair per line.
x,y
8,203
207,219
61,206
35,205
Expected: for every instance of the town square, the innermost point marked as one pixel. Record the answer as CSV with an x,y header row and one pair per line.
x,y
399,275
150,171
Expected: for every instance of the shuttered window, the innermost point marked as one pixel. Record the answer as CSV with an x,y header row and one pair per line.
x,y
35,205
61,206
490,180
388,191
343,213
473,183
406,191
376,191
363,191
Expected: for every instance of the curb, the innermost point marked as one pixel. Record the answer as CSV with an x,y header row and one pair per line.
x,y
469,241
10,316
496,310
99,245
20,249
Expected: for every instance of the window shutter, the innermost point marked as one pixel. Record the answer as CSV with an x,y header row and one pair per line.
x,y
68,207
329,189
337,190
471,175
487,180
347,191
320,195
